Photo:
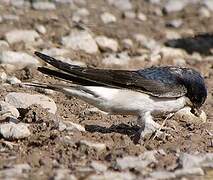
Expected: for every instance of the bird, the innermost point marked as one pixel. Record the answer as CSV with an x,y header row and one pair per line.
x,y
142,93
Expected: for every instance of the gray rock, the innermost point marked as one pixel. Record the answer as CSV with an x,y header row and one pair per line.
x,y
24,100
98,166
109,175
174,5
106,44
7,109
123,5
18,59
97,146
26,36
80,40
12,130
70,126
108,18
43,5
137,162
119,59
13,80
208,4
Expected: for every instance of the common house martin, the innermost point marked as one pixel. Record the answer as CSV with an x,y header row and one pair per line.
x,y
143,93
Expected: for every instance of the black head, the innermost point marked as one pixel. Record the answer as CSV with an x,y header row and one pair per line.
x,y
196,89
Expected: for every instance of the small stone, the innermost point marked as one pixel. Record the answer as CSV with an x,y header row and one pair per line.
x,y
106,44
109,175
174,6
44,6
127,43
141,16
10,17
117,59
208,4
82,12
41,29
130,14
186,115
24,100
12,130
3,45
17,3
179,62
71,126
13,80
18,59
62,174
16,36
80,40
98,166
172,35
176,23
56,51
108,18
123,5
7,110
162,175
189,171
97,146
204,12
168,52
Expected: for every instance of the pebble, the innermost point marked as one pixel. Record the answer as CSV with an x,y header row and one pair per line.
x,y
204,12
172,35
189,171
137,162
56,51
208,4
10,17
16,36
141,16
18,3
108,18
130,14
174,6
18,59
176,23
179,62
12,130
24,100
82,12
43,5
122,5
127,43
62,174
3,45
168,52
80,40
119,59
41,29
97,146
186,115
98,166
162,175
106,44
7,109
70,126
109,175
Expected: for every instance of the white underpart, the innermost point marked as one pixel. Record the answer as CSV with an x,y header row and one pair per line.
x,y
127,102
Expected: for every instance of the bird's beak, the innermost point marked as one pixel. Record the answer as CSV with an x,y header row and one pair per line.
x,y
196,111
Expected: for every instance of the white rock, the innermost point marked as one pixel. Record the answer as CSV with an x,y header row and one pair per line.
x,y
127,43
14,131
109,175
13,80
208,4
44,6
55,52
71,126
123,5
63,174
108,18
189,171
16,36
18,59
141,16
168,52
137,162
24,100
175,5
186,115
8,110
80,40
106,44
98,166
10,17
204,12
3,77
97,146
3,45
82,12
117,59
176,23
172,34
179,62
17,3
130,14
162,175
41,29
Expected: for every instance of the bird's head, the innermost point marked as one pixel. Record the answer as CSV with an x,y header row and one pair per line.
x,y
196,89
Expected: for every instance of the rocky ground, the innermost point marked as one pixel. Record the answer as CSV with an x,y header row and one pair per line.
x,y
48,135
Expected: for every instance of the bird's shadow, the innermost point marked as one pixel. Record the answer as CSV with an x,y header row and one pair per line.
x,y
125,129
